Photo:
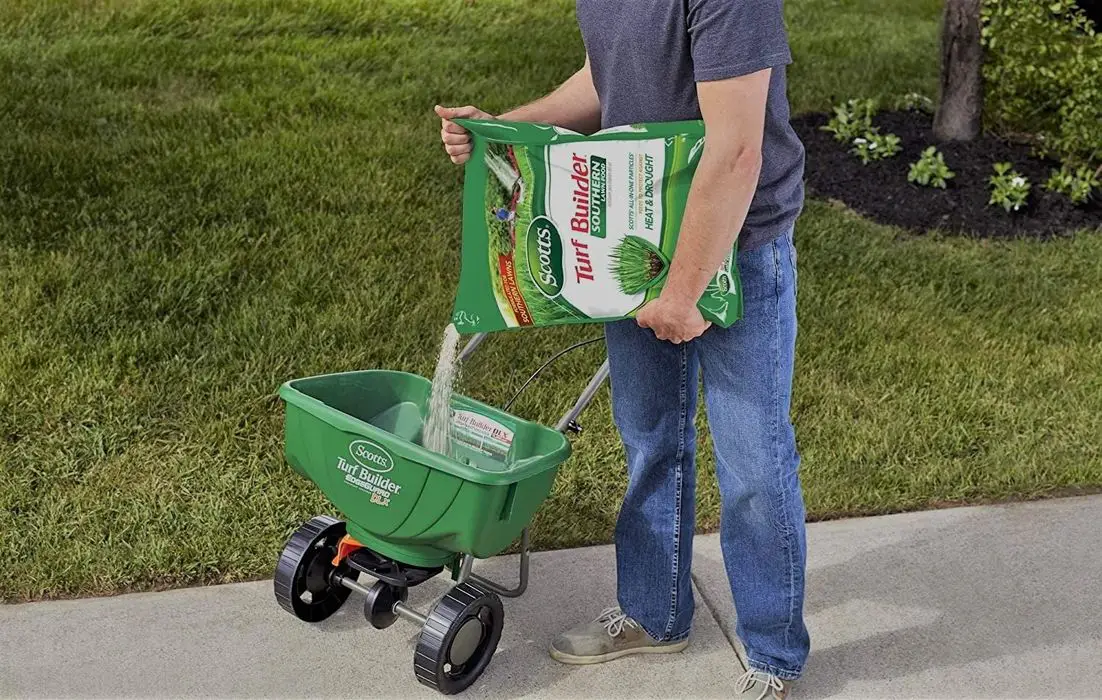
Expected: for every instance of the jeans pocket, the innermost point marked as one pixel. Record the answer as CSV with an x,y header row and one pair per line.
x,y
793,258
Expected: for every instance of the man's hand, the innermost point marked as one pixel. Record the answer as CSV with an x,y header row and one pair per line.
x,y
457,141
672,318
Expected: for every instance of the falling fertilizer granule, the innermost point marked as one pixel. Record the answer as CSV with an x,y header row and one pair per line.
x,y
437,433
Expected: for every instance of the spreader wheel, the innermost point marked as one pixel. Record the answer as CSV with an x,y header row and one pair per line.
x,y
303,576
459,639
379,604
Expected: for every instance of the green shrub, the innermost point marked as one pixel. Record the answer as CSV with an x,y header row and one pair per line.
x,y
1077,184
930,170
851,120
872,145
1009,188
915,102
1043,75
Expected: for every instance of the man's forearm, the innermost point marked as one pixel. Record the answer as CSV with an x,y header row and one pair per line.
x,y
716,209
573,105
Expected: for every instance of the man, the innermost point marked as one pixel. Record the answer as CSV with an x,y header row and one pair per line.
x,y
722,61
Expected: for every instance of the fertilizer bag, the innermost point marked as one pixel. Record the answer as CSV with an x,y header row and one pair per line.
x,y
564,228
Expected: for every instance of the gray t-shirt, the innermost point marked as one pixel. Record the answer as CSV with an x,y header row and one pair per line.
x,y
647,55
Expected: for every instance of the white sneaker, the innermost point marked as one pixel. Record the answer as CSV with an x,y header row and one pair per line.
x,y
759,685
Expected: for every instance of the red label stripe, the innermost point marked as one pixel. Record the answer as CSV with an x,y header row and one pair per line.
x,y
508,271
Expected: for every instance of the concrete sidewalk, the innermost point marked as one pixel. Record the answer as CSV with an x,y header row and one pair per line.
x,y
989,602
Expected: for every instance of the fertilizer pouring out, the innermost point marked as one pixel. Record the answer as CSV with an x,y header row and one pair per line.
x,y
436,435
557,228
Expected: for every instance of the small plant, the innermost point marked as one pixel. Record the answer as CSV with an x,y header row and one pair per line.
x,y
1009,188
638,264
930,170
875,146
851,120
1078,185
915,102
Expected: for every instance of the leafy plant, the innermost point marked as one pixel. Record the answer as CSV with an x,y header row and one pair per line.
x,y
1078,185
875,146
1009,188
915,102
930,170
1043,76
851,120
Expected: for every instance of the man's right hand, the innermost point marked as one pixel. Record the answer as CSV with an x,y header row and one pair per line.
x,y
457,141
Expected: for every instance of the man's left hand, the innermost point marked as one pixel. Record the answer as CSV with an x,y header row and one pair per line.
x,y
673,319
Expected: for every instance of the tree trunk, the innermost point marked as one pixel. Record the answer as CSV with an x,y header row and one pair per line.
x,y
960,107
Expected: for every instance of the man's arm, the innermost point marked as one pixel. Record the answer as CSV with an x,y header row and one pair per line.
x,y
573,105
719,199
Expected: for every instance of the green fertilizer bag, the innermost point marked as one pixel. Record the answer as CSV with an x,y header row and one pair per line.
x,y
564,228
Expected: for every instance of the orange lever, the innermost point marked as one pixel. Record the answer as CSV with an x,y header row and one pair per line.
x,y
346,546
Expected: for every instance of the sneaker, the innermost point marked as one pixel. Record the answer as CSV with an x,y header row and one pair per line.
x,y
609,637
759,685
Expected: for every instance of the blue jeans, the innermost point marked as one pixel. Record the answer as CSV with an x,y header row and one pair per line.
x,y
747,372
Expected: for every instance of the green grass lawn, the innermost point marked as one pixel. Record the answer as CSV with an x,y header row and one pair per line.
x,y
200,199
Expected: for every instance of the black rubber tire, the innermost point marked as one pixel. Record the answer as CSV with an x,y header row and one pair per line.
x,y
433,663
379,604
306,565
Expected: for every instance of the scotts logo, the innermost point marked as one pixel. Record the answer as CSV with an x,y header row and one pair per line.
x,y
545,256
370,456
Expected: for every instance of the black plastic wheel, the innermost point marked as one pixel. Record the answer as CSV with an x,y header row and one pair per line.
x,y
303,576
459,639
379,604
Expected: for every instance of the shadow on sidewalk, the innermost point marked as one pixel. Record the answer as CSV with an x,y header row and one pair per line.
x,y
993,602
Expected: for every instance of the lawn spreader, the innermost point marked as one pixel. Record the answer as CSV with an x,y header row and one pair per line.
x,y
413,514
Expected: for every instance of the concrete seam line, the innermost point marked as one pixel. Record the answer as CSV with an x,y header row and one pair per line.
x,y
731,641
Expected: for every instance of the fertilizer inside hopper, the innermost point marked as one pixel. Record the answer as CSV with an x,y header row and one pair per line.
x,y
473,440
397,403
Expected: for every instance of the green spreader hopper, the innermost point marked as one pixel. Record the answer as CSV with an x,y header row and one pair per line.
x,y
410,513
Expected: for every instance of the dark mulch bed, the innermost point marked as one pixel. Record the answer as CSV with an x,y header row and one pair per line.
x,y
881,192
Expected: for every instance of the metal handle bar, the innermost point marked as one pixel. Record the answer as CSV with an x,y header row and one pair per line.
x,y
584,399
471,345
567,421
